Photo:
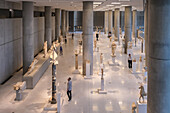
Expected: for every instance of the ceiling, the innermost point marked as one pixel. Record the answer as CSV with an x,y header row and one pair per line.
x,y
76,5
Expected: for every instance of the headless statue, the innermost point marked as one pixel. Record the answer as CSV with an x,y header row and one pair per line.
x,y
142,93
31,67
113,48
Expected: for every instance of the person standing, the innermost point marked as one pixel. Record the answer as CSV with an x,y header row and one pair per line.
x,y
69,89
130,61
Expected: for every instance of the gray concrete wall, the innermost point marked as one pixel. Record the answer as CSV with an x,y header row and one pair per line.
x,y
38,34
11,55
53,28
140,18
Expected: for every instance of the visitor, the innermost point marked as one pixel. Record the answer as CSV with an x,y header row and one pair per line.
x,y
69,89
61,50
130,61
65,39
97,36
109,34
72,35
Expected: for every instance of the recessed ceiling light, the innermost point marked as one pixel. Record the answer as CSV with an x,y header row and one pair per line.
x,y
110,5
98,3
124,0
116,3
124,5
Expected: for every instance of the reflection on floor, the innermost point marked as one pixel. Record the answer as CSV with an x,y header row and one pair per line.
x,y
120,84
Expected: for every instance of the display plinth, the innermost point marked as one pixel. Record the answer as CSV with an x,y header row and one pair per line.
x,y
113,62
102,90
76,71
140,69
141,107
87,71
53,107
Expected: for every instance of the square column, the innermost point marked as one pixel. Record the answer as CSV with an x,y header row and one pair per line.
x,y
117,23
128,26
28,35
87,35
106,22
110,21
57,23
48,28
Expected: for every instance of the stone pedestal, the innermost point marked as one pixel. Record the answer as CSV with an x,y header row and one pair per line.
x,y
58,102
140,68
76,71
87,70
134,67
141,107
113,63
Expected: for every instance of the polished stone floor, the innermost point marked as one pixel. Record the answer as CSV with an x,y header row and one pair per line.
x,y
120,84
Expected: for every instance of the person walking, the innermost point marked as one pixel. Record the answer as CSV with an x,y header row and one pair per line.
x,y
69,89
130,61
61,50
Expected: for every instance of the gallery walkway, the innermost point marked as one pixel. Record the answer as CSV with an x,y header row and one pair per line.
x,y
121,85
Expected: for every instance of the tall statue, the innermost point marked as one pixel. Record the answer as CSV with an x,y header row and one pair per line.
x,y
142,93
101,58
113,48
45,49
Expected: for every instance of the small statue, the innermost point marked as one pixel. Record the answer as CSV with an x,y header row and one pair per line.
x,y
45,49
113,48
31,67
134,60
142,93
134,108
140,59
101,58
53,55
110,39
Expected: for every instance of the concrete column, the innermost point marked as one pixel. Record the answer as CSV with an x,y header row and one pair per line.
x,y
57,23
110,21
106,22
122,20
117,23
146,32
48,26
63,23
67,21
135,25
28,35
128,26
159,56
87,35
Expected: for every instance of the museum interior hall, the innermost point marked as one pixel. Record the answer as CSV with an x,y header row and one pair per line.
x,y
84,56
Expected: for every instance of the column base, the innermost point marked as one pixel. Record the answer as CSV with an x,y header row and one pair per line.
x,y
76,71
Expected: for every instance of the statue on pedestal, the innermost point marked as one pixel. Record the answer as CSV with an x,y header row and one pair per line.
x,y
142,93
113,48
101,58
45,49
134,108
110,39
140,59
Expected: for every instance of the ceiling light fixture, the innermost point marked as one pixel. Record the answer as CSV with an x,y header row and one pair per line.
x,y
110,5
116,3
97,3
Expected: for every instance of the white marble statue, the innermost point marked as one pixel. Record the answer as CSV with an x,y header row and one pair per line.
x,y
113,48
32,66
142,93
